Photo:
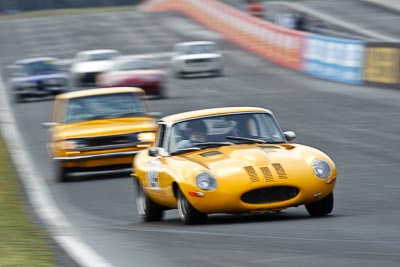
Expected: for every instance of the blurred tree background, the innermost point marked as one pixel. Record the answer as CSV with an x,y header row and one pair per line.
x,y
15,6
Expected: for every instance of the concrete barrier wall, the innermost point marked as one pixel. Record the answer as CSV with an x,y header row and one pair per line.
x,y
341,60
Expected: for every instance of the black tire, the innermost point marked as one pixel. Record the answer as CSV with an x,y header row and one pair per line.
x,y
322,207
18,98
187,213
147,209
179,74
62,174
218,73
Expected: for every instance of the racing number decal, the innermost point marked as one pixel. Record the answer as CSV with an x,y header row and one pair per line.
x,y
152,173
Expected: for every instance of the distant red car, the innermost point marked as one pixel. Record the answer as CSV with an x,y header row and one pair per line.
x,y
144,73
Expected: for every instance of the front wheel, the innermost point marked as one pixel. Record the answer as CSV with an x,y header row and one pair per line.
x,y
322,207
187,213
62,174
18,98
147,209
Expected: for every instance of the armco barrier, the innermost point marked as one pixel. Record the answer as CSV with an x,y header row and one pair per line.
x,y
280,45
334,59
382,63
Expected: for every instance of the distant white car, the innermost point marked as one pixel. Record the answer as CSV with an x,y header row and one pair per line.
x,y
88,64
197,57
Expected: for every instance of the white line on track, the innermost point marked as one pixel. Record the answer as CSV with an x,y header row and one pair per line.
x,y
39,194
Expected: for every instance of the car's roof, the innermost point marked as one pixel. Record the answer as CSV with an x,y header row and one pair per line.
x,y
210,112
195,43
36,59
99,91
97,51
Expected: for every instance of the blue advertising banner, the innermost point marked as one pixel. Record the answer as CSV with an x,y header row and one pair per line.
x,y
335,59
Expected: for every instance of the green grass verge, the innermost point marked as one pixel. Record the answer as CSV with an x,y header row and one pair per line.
x,y
21,242
72,11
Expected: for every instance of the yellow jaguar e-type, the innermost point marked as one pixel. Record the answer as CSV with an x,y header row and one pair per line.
x,y
229,160
97,131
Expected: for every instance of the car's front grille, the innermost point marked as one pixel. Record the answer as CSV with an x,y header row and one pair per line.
x,y
269,195
108,142
199,60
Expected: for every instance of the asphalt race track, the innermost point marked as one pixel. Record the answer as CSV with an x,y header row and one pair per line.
x,y
357,126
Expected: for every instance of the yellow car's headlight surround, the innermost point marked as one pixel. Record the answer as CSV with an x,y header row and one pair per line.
x,y
72,144
206,181
68,145
146,137
321,169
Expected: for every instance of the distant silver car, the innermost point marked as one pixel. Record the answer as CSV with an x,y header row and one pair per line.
x,y
88,64
197,57
37,77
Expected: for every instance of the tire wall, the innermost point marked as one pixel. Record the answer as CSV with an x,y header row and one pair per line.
x,y
340,60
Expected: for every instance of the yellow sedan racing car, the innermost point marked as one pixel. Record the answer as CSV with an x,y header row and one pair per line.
x,y
229,160
99,131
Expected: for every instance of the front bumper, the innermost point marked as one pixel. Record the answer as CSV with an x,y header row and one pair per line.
x,y
97,156
228,201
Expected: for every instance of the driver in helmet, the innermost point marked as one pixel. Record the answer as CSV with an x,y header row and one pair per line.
x,y
196,131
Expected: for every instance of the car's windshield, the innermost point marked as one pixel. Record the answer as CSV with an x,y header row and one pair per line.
x,y
221,130
133,64
116,105
200,49
40,67
101,56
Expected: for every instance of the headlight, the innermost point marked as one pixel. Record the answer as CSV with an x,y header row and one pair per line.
x,y
321,169
146,137
27,84
206,181
70,145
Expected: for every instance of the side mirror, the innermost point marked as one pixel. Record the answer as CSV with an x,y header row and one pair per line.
x,y
153,152
48,125
158,152
289,135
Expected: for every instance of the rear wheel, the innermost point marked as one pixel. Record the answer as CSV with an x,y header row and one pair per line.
x,y
147,209
187,213
322,207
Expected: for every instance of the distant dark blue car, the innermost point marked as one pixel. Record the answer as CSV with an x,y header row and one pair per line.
x,y
37,77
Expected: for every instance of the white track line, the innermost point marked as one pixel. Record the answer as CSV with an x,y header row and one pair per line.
x,y
39,194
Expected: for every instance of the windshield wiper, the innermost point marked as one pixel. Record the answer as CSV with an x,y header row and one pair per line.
x,y
184,150
250,140
213,144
